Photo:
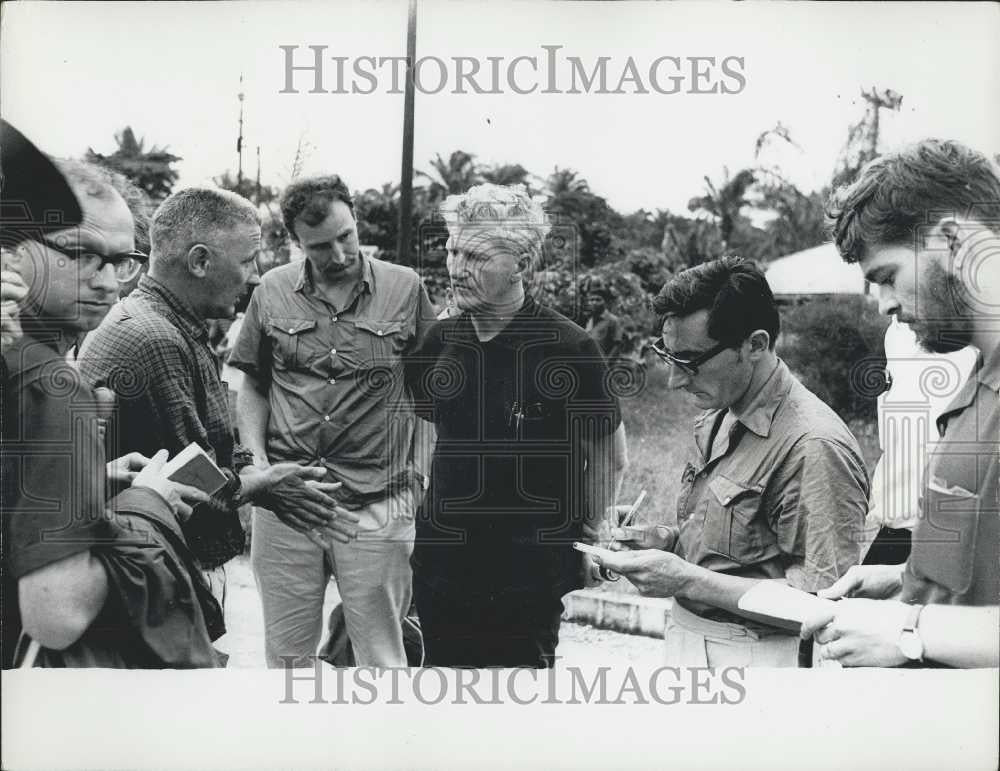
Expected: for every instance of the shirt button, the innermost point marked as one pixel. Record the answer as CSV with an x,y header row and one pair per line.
x,y
333,318
380,333
291,330
332,381
326,418
333,351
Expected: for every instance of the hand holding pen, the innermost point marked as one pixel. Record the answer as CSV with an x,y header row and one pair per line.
x,y
616,533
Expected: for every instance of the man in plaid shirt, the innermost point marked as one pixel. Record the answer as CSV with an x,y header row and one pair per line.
x,y
152,351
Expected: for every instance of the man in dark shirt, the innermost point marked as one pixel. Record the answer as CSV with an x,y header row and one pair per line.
x,y
922,223
529,452
90,589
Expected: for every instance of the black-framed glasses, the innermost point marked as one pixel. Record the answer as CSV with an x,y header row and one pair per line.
x,y
127,265
690,366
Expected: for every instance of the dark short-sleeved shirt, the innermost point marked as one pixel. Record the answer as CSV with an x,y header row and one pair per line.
x,y
507,493
53,476
782,495
335,376
607,331
955,558
152,351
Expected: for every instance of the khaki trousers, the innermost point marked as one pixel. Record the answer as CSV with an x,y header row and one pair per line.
x,y
692,641
373,577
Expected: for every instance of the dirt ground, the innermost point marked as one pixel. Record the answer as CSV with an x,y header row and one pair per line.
x,y
579,645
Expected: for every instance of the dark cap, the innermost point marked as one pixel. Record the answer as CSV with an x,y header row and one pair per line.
x,y
34,195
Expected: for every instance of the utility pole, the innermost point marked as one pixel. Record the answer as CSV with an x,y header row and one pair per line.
x,y
406,175
257,188
239,140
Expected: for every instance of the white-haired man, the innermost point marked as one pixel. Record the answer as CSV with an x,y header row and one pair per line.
x,y
530,446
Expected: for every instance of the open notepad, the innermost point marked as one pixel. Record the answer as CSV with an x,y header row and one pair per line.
x,y
782,602
193,466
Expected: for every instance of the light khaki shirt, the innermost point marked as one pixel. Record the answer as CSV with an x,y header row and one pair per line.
x,y
782,494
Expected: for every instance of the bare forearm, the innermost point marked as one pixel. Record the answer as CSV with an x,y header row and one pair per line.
x,y
607,461
60,601
253,413
424,438
961,636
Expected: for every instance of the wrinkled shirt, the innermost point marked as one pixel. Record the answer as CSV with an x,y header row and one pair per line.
x,y
783,494
956,542
334,376
152,351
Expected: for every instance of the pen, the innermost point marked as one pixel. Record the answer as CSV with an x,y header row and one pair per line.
x,y
609,575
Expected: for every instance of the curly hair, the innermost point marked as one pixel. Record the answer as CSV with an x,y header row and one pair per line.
x,y
733,291
898,193
309,199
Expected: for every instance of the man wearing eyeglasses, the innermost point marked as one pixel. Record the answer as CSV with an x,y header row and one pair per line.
x,y
777,489
152,351
88,588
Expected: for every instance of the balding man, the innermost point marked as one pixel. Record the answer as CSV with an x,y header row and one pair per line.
x,y
152,350
88,589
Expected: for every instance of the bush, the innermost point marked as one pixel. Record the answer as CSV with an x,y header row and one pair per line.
x,y
834,344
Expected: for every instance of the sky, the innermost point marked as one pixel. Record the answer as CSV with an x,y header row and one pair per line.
x,y
72,74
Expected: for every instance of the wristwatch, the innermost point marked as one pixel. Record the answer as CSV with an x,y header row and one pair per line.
x,y
910,644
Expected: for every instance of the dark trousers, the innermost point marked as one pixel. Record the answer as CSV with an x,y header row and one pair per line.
x,y
466,630
890,547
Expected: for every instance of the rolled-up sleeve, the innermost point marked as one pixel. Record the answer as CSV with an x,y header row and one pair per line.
x,y
247,353
821,514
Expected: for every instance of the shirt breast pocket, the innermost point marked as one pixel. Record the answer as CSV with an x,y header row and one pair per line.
x,y
732,525
294,346
374,343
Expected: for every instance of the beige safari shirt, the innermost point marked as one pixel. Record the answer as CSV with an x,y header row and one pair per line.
x,y
783,494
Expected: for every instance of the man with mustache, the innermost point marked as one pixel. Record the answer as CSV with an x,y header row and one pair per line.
x,y
924,224
321,347
777,489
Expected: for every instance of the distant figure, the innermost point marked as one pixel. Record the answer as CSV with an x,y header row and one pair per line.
x,y
603,326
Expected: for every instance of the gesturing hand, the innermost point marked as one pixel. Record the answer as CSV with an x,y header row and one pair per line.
x,y
300,498
179,497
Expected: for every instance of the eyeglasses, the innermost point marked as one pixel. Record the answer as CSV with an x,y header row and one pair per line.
x,y
690,366
127,265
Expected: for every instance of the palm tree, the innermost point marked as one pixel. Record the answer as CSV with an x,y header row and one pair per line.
x,y
152,170
507,174
451,177
725,202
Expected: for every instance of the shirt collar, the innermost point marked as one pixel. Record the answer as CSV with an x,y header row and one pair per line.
x,y
183,313
759,413
305,280
987,373
520,328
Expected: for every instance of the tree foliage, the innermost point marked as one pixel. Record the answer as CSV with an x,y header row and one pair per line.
x,y
152,169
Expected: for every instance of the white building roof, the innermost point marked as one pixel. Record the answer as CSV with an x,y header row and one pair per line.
x,y
819,270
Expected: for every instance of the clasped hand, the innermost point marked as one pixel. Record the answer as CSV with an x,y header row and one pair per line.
x,y
863,628
300,498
